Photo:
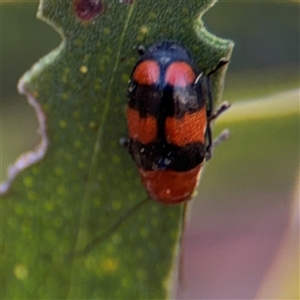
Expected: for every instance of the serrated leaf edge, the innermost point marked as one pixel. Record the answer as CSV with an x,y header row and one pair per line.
x,y
29,158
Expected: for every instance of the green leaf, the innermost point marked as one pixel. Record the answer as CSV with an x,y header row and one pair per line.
x,y
78,224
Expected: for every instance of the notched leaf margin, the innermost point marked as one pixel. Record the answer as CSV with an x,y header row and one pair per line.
x,y
29,158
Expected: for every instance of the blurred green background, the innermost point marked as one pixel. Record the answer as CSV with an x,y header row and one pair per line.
x,y
242,208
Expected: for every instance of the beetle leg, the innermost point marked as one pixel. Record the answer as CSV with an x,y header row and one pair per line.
x,y
213,115
223,136
211,144
223,107
222,62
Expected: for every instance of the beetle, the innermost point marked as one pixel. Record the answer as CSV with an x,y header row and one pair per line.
x,y
169,112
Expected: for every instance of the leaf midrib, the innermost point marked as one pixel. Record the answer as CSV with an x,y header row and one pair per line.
x,y
97,149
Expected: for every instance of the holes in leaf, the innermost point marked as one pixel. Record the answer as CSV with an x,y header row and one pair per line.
x,y
88,9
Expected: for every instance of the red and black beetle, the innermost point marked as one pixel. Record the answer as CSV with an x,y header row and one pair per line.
x,y
168,115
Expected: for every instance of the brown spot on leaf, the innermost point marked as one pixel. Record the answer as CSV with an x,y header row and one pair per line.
x,y
88,9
